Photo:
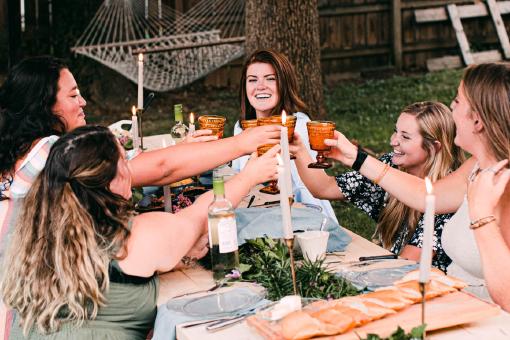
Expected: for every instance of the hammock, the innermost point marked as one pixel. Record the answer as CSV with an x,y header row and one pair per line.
x,y
178,48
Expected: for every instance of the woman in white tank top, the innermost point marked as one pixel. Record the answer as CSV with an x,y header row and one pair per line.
x,y
478,235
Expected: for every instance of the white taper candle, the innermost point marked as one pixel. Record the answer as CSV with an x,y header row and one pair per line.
x,y
140,81
428,233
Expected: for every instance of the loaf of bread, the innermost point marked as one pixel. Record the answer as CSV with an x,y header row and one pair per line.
x,y
324,318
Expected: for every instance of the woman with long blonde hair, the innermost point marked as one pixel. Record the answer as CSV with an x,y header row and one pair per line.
x,y
477,238
80,264
423,146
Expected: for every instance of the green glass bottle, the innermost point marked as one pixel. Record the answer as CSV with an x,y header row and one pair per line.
x,y
222,233
179,130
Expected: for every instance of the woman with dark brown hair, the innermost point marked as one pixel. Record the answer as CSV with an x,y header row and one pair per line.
x,y
268,85
81,264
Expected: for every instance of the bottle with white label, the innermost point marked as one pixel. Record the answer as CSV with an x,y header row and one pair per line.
x,y
179,130
222,233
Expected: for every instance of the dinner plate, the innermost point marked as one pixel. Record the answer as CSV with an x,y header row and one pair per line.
x,y
376,278
222,304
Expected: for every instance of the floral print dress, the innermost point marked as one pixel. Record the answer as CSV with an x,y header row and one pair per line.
x,y
371,198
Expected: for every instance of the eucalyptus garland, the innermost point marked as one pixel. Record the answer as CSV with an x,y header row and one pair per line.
x,y
267,262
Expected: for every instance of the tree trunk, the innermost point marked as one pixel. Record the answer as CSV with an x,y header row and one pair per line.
x,y
290,27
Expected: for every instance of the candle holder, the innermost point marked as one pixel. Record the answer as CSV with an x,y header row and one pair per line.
x,y
139,113
290,246
214,123
422,292
318,131
289,242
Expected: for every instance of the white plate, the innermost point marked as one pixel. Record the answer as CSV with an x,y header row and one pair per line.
x,y
222,304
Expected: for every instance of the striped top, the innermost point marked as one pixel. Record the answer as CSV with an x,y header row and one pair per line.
x,y
24,176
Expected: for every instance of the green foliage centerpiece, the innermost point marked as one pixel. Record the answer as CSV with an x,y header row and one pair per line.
x,y
267,262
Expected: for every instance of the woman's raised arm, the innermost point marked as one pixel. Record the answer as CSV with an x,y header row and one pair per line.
x,y
180,161
407,188
159,240
320,184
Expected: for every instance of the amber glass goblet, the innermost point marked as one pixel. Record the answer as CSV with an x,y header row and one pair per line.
x,y
290,123
318,131
272,188
248,123
214,123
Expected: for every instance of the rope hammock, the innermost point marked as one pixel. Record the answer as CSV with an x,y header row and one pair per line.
x,y
178,48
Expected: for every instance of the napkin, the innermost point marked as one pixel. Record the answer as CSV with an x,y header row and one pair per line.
x,y
261,222
170,315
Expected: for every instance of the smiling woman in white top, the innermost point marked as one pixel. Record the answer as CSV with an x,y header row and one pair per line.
x,y
268,85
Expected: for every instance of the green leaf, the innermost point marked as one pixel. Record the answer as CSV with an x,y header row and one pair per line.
x,y
418,332
244,267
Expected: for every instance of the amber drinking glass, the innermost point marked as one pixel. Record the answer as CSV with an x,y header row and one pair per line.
x,y
318,131
248,123
214,123
290,123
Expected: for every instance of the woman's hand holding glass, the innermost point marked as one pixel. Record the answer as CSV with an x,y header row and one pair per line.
x,y
297,147
200,136
486,189
250,138
260,169
341,149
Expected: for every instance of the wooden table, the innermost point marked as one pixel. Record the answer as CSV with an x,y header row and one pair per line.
x,y
180,282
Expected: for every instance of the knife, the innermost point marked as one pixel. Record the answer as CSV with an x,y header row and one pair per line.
x,y
231,320
252,198
267,203
378,257
226,323
366,260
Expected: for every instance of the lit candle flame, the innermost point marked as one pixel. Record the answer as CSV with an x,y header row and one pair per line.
x,y
133,110
140,57
284,117
428,185
191,118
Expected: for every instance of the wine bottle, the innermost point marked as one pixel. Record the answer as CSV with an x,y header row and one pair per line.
x,y
222,233
179,130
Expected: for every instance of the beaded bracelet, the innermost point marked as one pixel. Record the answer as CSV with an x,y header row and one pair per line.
x,y
481,222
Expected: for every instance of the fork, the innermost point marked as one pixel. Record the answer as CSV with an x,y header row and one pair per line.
x,y
213,288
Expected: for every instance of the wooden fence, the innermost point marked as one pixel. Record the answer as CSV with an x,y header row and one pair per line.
x,y
361,35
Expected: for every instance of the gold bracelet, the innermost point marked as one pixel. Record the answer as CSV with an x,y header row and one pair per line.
x,y
481,222
382,174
